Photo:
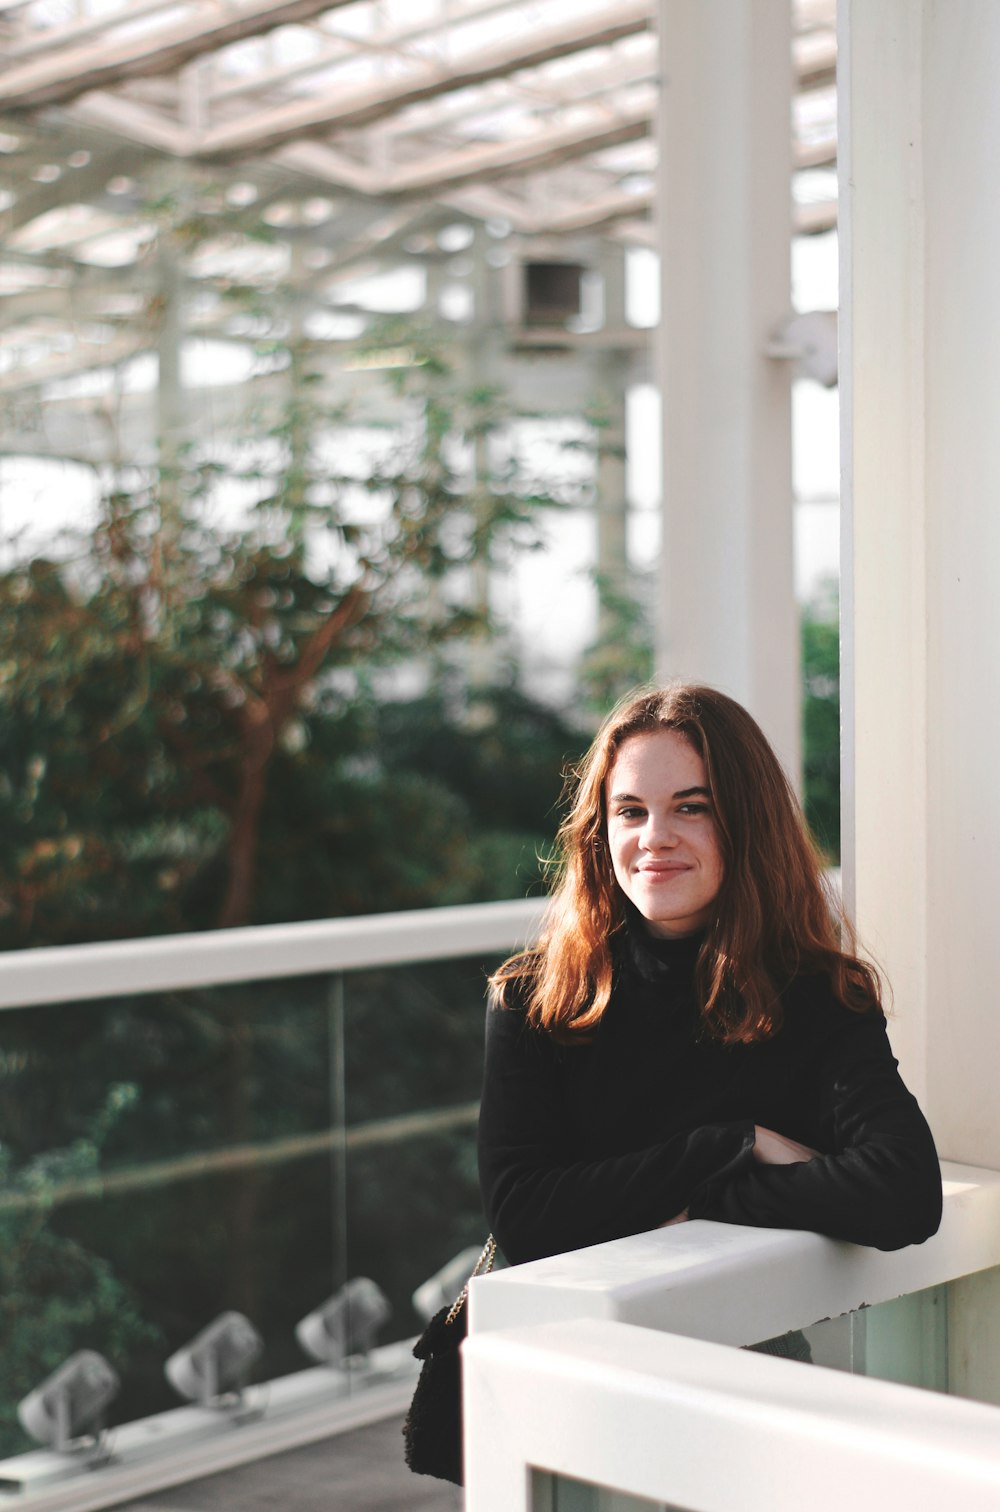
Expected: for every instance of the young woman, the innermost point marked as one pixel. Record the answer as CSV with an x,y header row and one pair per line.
x,y
694,1035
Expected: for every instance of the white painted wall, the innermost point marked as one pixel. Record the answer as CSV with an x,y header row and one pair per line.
x,y
920,384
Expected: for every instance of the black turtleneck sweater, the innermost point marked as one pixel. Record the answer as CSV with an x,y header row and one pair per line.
x,y
583,1143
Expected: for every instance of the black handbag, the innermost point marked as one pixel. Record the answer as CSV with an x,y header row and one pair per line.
x,y
433,1428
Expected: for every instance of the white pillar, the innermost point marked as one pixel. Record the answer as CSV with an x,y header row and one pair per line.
x,y
727,607
920,219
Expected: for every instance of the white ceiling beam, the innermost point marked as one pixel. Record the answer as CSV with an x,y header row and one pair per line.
x,y
136,123
360,105
485,202
344,45
88,357
46,39
447,172
815,57
602,211
72,71
470,165
810,14
810,220
62,306
323,162
820,152
586,84
599,212
544,148
636,233
258,83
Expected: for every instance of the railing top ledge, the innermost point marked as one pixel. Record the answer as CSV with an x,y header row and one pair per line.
x,y
734,1285
757,1433
74,973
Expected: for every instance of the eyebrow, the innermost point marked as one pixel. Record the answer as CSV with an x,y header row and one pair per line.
x,y
690,792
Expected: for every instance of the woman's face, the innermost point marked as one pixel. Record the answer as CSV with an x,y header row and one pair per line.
x,y
662,834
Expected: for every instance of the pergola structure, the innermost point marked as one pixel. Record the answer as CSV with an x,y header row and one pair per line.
x,y
389,101
353,131
168,170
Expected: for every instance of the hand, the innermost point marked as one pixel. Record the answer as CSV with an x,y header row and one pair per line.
x,y
777,1149
681,1218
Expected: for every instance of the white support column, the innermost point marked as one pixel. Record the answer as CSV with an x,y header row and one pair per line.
x,y
727,606
920,218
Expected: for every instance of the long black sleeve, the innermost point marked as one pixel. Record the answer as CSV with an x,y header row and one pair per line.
x,y
879,1182
543,1191
585,1142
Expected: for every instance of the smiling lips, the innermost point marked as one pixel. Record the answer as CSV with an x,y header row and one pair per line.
x,y
664,869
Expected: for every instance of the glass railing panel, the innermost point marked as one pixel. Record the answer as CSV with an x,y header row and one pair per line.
x,y
412,1069
905,1340
165,1158
916,1340
561,1493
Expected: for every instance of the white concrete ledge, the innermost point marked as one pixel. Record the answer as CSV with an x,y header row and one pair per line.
x,y
690,1424
735,1285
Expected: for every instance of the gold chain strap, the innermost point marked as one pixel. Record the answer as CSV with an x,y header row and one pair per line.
x,y
482,1267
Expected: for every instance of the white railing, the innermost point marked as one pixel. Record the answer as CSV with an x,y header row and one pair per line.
x,y
685,1424
78,973
570,1359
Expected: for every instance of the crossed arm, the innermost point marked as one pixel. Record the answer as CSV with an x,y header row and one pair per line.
x,y
877,1183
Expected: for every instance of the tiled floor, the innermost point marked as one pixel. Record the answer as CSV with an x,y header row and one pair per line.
x,y
362,1471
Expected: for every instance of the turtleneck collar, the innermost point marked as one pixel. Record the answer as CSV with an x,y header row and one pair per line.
x,y
655,956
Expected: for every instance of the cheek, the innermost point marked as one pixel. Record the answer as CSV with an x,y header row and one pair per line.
x,y
617,853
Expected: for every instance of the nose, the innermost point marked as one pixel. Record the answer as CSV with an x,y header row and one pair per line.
x,y
659,832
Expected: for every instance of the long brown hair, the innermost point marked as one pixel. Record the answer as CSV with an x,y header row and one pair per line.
x,y
774,916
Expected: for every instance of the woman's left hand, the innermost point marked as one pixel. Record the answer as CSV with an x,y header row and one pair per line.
x,y
777,1149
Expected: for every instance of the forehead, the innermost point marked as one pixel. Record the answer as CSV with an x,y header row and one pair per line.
x,y
657,760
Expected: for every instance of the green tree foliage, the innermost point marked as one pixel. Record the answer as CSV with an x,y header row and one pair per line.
x,y
178,699
821,722
56,1295
622,655
191,736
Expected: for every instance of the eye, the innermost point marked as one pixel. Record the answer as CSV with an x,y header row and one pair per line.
x,y
694,808
631,811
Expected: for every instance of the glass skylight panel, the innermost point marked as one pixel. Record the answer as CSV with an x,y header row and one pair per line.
x,y
240,257
62,227
19,277
117,248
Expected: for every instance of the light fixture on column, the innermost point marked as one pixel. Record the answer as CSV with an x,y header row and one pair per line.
x,y
217,1362
441,1289
344,1328
71,1402
810,341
